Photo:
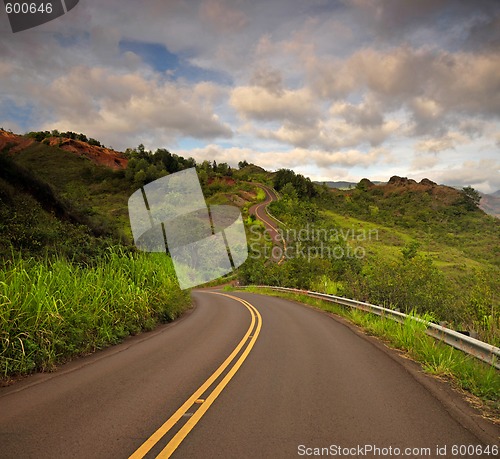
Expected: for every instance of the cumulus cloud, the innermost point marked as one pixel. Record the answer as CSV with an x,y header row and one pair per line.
x,y
297,157
329,85
331,134
425,162
270,79
483,174
223,16
391,20
446,142
429,82
262,104
367,114
99,101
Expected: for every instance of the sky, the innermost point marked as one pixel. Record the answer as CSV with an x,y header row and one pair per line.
x,y
335,90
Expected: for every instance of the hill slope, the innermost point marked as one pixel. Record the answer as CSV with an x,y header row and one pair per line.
x,y
52,186
404,244
408,245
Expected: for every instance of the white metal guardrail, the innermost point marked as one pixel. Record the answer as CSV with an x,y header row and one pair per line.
x,y
479,349
273,217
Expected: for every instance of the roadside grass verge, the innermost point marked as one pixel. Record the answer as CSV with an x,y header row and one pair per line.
x,y
436,358
261,195
53,310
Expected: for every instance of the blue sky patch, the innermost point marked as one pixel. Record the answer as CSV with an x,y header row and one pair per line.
x,y
23,115
162,60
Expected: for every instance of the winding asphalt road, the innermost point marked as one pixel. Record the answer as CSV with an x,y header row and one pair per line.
x,y
239,376
259,210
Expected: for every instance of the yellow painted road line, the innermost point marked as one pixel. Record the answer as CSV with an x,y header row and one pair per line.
x,y
164,429
193,420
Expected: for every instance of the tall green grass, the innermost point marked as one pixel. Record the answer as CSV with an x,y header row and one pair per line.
x,y
53,310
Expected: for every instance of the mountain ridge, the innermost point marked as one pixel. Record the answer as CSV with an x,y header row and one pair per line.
x,y
98,154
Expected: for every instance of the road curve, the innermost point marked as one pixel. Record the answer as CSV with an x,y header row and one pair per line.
x,y
259,210
307,381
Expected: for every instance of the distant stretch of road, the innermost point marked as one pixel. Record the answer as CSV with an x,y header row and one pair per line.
x,y
259,210
240,376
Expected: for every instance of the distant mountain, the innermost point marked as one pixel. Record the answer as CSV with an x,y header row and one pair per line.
x,y
344,185
339,185
490,203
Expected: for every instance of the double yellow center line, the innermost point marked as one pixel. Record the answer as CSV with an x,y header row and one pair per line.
x,y
249,340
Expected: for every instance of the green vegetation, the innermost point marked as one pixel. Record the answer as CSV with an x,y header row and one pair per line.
x,y
261,195
50,197
416,247
403,245
70,280
40,136
436,358
286,180
53,310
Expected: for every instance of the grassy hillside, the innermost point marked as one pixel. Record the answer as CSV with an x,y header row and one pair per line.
x,y
413,246
52,200
71,281
64,228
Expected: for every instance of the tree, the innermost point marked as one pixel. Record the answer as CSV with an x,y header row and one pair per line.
x,y
203,176
95,142
140,178
205,165
282,177
302,185
289,192
169,161
223,168
242,164
472,197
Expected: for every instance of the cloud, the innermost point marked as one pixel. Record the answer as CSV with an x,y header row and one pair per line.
x,y
497,138
436,89
331,134
269,79
483,174
256,102
275,159
391,20
446,142
288,133
366,114
420,163
223,16
427,116
484,34
448,81
317,82
98,101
